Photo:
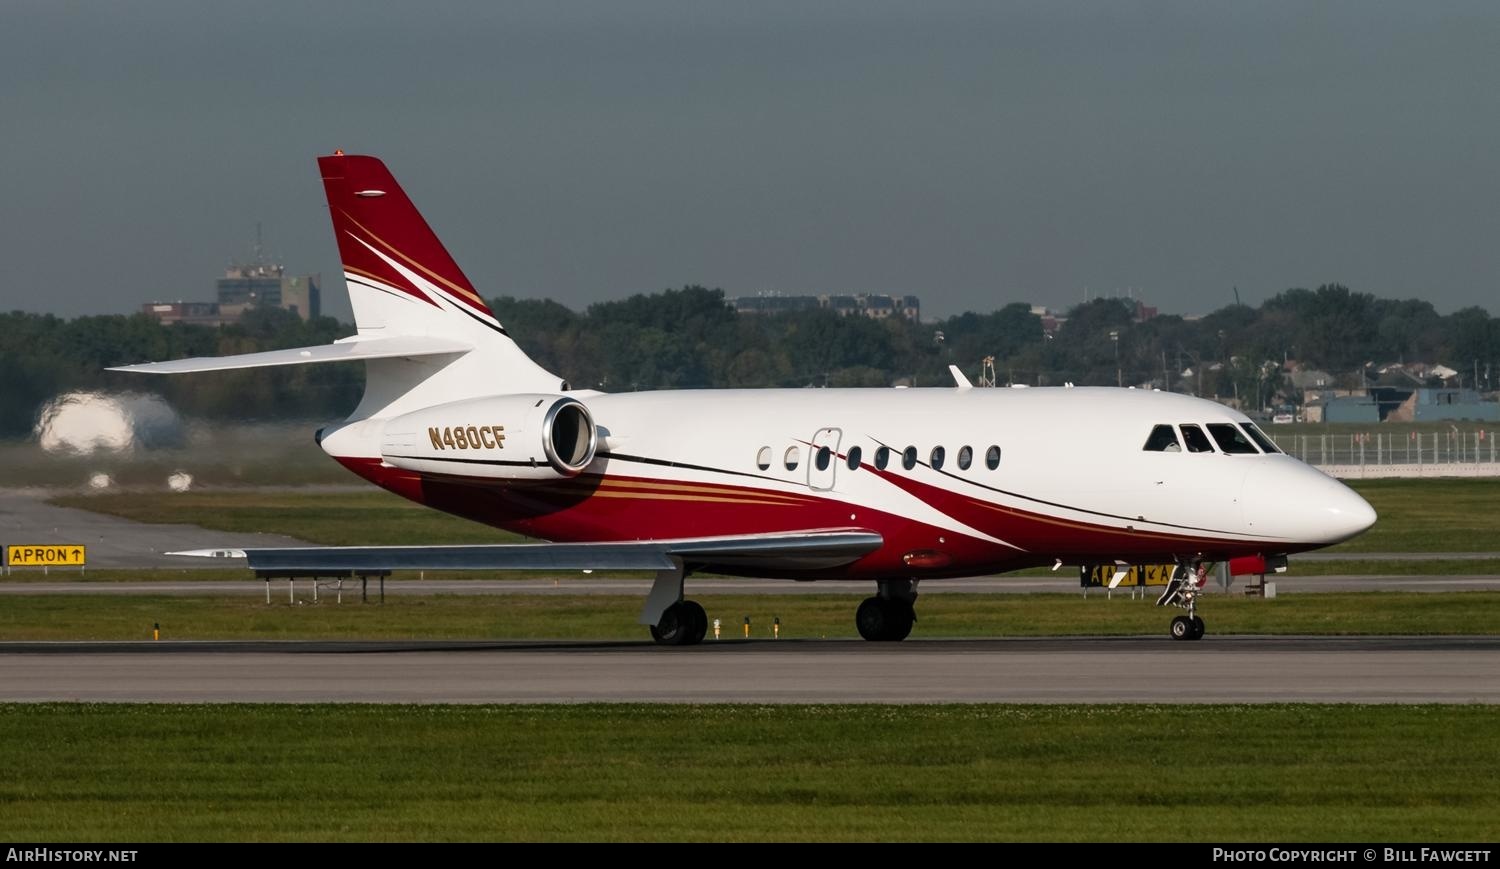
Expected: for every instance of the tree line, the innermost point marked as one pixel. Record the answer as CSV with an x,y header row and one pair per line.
x,y
692,338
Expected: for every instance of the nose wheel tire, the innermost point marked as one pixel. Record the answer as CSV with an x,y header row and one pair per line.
x,y
884,620
1187,628
683,624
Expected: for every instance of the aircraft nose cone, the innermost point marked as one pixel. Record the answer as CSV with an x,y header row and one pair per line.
x,y
1298,504
1348,514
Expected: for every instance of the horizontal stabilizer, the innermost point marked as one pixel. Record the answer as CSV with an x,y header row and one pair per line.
x,y
808,550
342,351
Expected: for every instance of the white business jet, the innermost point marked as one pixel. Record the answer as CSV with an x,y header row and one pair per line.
x,y
894,487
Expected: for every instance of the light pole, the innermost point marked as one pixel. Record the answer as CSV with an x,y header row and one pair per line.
x,y
1114,336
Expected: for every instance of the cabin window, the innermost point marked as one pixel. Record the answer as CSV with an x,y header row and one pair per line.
x,y
882,457
1230,439
992,458
909,458
1196,440
824,456
792,457
1260,437
1163,439
763,459
854,454
937,457
965,457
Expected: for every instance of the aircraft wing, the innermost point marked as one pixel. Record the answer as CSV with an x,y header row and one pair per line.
x,y
805,550
339,351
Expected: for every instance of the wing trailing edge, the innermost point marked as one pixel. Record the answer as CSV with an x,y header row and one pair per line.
x,y
808,550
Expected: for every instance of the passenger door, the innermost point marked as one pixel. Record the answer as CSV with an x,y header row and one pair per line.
x,y
823,461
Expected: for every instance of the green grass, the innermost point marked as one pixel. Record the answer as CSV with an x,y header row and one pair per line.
x,y
610,617
1442,515
343,518
1433,515
78,773
279,454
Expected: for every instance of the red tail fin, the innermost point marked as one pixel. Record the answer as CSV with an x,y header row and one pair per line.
x,y
382,238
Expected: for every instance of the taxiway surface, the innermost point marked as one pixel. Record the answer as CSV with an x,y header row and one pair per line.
x,y
27,518
1225,669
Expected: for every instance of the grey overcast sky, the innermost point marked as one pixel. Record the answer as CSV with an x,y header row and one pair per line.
x,y
973,153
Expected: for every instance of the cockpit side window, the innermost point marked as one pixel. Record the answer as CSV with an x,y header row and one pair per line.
x,y
1163,439
1230,439
1260,437
1196,440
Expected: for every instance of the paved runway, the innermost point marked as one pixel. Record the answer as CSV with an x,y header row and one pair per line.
x,y
1224,669
26,517
700,587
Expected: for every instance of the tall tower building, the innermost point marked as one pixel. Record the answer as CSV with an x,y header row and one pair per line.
x,y
265,282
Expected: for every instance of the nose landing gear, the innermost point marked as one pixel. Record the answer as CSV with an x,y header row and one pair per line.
x,y
1182,592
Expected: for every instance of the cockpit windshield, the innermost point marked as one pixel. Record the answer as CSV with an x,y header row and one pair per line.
x,y
1162,440
1260,437
1196,440
1230,439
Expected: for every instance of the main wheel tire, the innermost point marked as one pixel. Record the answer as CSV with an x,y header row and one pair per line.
x,y
675,626
885,621
871,619
1182,628
1198,628
902,617
697,621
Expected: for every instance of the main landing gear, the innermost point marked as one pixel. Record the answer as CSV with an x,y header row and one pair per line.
x,y
889,615
683,624
1182,592
672,620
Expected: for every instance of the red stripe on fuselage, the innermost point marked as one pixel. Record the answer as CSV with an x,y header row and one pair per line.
x,y
623,508
1068,539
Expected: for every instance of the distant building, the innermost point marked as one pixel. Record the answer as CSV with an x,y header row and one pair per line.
x,y
268,284
1345,408
774,304
1143,312
874,306
193,313
1427,405
262,283
1311,378
1051,320
1402,405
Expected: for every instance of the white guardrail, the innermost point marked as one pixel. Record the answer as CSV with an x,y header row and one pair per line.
x,y
1395,454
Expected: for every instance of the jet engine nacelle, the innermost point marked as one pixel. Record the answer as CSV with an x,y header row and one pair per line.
x,y
519,437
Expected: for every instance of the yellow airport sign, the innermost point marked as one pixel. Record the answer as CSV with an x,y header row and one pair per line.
x,y
45,555
1154,574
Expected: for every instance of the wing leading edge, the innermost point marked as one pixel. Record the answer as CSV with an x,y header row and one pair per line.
x,y
807,550
347,350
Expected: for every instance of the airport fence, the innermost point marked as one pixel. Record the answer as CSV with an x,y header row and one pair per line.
x,y
1413,448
